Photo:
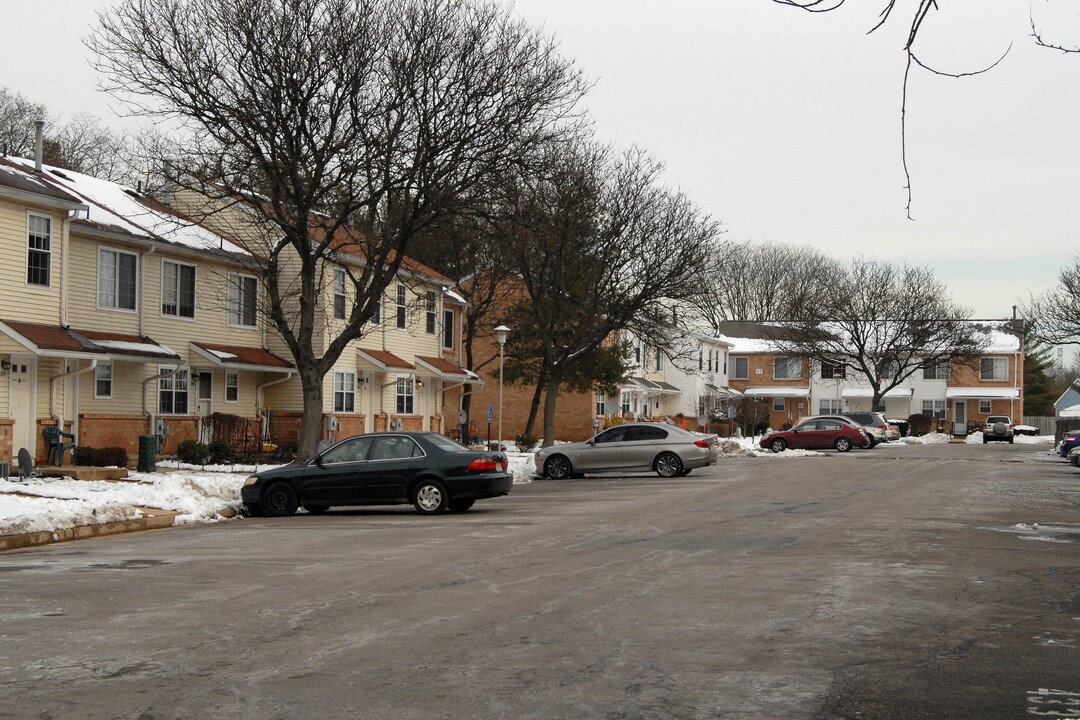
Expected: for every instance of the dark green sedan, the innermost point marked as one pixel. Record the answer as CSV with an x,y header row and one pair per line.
x,y
427,469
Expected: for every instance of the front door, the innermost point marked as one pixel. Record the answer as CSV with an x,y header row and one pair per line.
x,y
204,405
959,417
22,406
605,453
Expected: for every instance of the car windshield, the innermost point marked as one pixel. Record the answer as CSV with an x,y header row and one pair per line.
x,y
444,443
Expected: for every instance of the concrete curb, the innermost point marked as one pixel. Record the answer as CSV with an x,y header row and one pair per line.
x,y
153,519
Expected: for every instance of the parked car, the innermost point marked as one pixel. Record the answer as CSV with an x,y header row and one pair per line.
x,y
664,449
872,420
427,469
893,432
1071,440
818,434
998,427
1074,457
874,434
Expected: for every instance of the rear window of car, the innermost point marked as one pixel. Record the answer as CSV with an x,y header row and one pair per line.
x,y
997,419
444,443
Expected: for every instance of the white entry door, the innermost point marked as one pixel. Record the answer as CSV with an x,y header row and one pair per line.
x,y
959,417
205,406
21,382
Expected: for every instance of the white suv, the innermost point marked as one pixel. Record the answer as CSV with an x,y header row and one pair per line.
x,y
998,427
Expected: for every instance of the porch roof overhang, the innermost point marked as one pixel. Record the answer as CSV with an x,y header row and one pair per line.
x,y
385,361
667,388
446,370
777,391
237,357
982,393
722,391
639,384
897,392
61,342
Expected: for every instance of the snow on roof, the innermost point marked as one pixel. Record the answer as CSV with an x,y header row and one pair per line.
x,y
114,205
143,348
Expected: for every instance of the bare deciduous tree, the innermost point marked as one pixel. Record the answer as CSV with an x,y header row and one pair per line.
x,y
1054,316
349,126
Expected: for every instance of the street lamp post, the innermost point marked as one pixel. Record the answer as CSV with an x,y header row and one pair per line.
x,y
500,335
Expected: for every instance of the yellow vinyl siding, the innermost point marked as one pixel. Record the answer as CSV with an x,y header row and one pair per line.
x,y
19,300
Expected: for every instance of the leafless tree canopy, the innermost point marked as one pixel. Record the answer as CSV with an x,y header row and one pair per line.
x,y
885,322
1054,316
600,246
367,116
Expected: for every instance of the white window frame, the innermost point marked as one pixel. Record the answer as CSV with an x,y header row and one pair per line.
x,y
174,384
232,386
431,316
833,371
601,404
108,298
103,373
986,407
341,296
779,404
830,406
659,359
237,303
44,247
376,317
344,391
624,403
735,368
448,330
999,368
937,408
179,283
405,396
402,307
941,370
790,364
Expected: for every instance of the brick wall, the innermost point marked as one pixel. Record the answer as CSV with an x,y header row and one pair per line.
x,y
7,446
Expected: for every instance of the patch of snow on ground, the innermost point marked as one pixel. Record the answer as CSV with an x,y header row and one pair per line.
x,y
927,439
522,466
20,515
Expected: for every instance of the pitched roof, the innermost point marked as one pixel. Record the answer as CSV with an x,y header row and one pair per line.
x,y
56,340
17,176
384,360
240,357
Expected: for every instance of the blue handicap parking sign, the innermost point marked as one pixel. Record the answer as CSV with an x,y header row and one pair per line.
x,y
491,413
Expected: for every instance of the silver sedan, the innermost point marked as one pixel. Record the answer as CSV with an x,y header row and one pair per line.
x,y
664,449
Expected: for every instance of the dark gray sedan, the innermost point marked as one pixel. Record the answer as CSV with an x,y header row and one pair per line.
x,y
664,449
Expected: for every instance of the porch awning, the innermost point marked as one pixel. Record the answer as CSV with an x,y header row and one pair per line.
x,y
722,390
385,361
62,342
667,388
446,370
777,391
639,384
982,393
869,393
237,357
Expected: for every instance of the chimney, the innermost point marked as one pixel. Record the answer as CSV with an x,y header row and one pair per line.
x,y
39,128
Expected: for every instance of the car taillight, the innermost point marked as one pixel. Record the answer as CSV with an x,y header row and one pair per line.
x,y
485,465
1070,438
702,443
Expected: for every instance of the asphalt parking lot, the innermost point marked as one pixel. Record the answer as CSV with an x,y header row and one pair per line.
x,y
902,582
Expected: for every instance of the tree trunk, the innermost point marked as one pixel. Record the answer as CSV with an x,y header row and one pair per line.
x,y
534,409
311,425
549,410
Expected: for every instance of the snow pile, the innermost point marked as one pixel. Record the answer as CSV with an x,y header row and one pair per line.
x,y
1034,439
19,515
522,466
789,453
927,439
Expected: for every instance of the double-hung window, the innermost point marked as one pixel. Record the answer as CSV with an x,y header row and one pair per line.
x,y
232,386
344,391
339,293
829,371
986,407
448,329
376,316
402,314
431,314
934,408
243,298
994,368
659,359
405,396
601,404
39,249
177,289
116,279
740,368
830,406
173,392
787,368
103,380
937,371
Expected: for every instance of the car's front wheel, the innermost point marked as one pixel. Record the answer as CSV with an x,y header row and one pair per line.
x,y
842,444
778,445
279,500
430,497
668,465
557,467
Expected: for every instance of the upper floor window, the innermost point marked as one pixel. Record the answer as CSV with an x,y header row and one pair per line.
x,y
177,289
173,392
740,368
116,279
787,368
659,359
243,296
701,359
103,380
376,316
39,249
339,293
994,368
938,371
448,329
344,391
429,320
829,371
402,315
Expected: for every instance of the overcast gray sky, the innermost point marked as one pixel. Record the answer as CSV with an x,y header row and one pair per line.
x,y
786,125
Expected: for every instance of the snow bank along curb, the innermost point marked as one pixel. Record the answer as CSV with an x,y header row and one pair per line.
x,y
151,519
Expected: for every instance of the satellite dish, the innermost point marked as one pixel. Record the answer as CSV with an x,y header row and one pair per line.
x,y
462,417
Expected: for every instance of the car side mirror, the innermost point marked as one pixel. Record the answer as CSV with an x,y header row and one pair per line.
x,y
318,460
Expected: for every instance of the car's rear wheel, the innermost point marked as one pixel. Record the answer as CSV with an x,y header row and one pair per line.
x,y
557,467
430,497
872,442
279,500
316,509
778,445
668,465
461,505
842,444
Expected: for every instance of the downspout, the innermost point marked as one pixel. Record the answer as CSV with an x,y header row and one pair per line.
x,y
442,409
52,391
258,401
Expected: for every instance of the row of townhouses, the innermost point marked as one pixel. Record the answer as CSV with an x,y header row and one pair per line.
x,y
118,318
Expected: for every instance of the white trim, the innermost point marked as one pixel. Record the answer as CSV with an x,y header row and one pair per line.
x,y
229,301
235,374
26,245
194,293
116,289
982,393
97,368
